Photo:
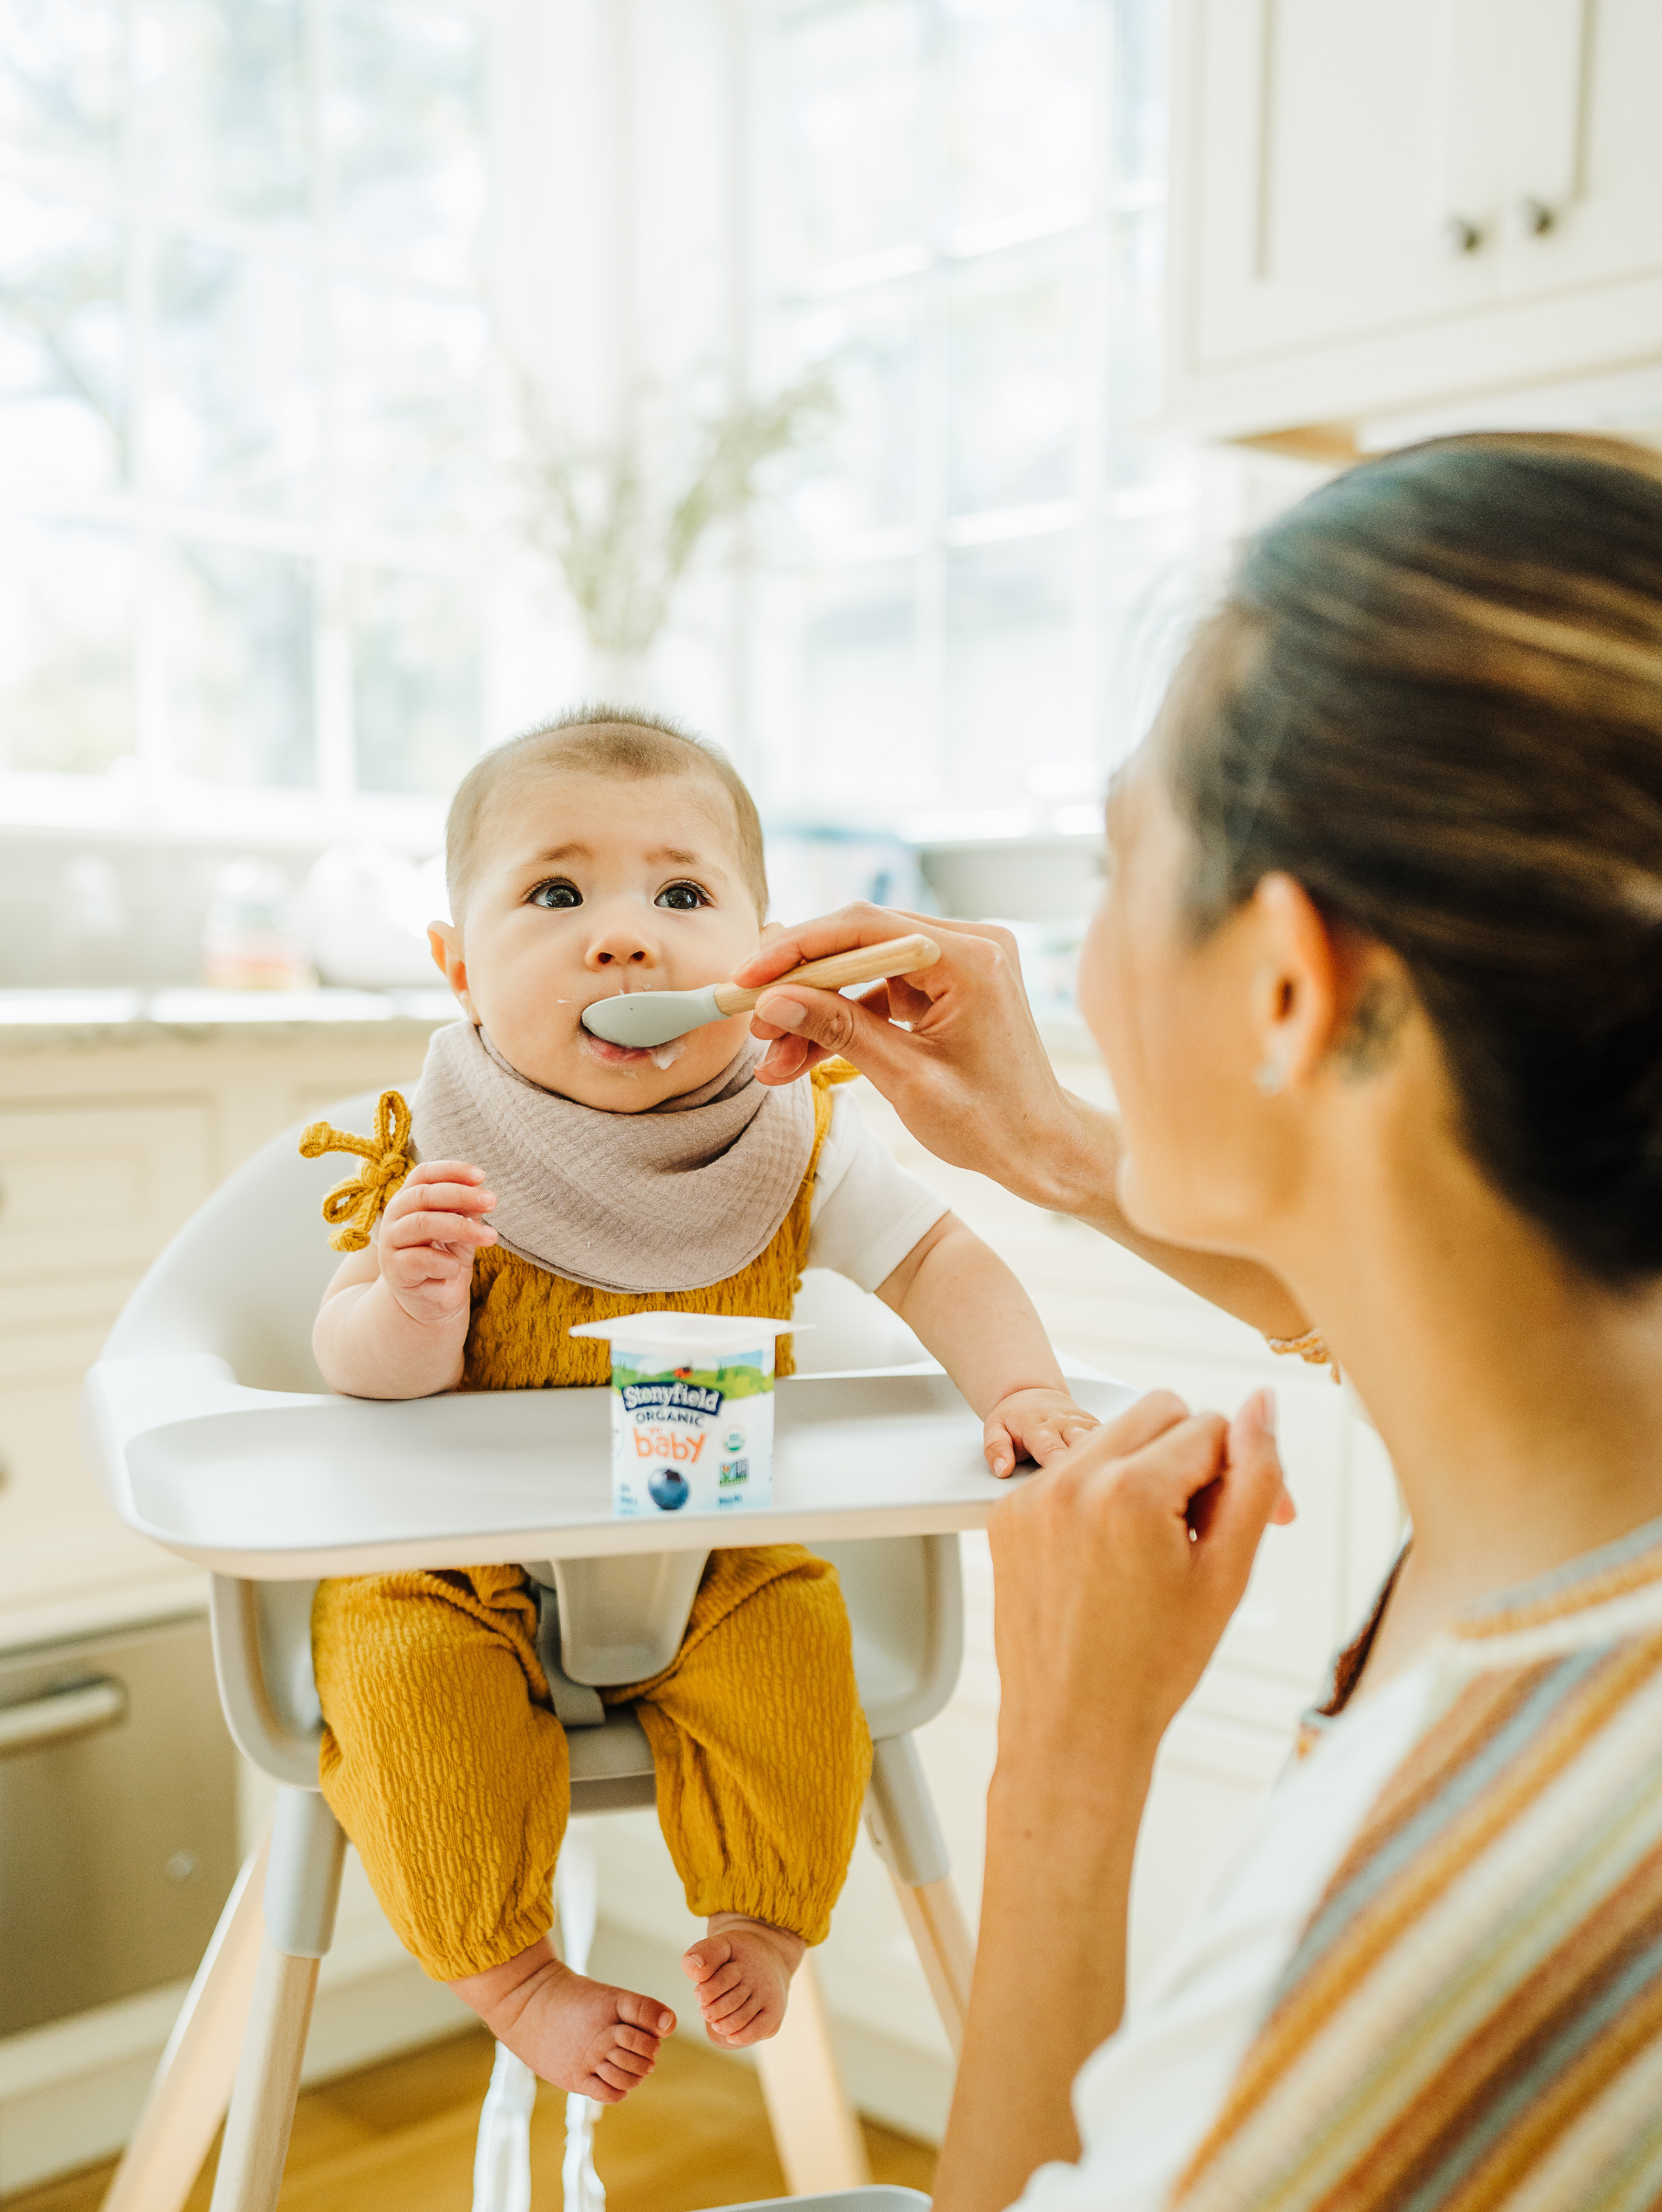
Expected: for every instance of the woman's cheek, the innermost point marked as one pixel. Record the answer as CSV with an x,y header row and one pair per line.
x,y
1125,993
1096,998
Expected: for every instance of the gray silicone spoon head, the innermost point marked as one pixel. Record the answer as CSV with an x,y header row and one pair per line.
x,y
647,1018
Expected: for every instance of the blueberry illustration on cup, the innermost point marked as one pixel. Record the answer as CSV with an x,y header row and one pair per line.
x,y
668,1489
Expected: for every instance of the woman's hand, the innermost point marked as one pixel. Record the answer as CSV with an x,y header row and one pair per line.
x,y
969,1074
1115,1572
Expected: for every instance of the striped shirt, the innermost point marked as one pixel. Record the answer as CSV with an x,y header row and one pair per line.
x,y
1466,2010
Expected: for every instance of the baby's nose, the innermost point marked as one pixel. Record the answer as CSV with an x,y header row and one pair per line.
x,y
620,942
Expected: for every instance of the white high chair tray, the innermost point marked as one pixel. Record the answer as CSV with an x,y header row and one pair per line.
x,y
276,1486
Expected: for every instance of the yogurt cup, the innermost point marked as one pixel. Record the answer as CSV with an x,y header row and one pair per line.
x,y
692,1411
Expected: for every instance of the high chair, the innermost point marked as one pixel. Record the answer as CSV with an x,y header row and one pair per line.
x,y
207,1421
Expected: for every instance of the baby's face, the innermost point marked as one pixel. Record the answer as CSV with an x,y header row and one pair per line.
x,y
585,886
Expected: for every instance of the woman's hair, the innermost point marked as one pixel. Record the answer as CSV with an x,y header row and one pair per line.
x,y
1434,696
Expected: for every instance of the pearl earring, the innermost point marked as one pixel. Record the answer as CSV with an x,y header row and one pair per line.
x,y
1270,1077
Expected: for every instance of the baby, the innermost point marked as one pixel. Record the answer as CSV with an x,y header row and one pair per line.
x,y
610,852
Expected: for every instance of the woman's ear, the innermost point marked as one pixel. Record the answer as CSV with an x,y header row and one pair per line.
x,y
444,941
1295,993
1326,994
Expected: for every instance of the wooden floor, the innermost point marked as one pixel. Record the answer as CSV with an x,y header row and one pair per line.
x,y
399,2138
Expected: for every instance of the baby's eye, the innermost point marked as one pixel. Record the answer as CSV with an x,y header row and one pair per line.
x,y
559,893
682,898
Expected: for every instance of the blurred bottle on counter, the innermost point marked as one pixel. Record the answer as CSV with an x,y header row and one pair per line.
x,y
250,942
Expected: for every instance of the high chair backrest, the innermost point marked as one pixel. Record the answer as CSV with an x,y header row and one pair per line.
x,y
243,1277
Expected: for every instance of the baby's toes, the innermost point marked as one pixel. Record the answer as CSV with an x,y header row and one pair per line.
x,y
730,1977
706,1957
645,2012
750,2024
731,2001
629,2066
636,2042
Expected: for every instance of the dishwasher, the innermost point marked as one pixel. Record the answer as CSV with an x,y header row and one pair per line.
x,y
118,1817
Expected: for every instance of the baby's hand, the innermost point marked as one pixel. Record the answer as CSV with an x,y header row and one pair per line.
x,y
429,1236
1042,1423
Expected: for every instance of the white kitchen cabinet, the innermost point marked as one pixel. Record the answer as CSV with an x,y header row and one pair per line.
x,y
102,1184
110,1137
1380,203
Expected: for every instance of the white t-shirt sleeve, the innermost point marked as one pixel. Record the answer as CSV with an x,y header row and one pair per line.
x,y
867,1211
1146,2098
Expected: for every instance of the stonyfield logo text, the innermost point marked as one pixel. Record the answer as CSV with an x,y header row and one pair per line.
x,y
651,1398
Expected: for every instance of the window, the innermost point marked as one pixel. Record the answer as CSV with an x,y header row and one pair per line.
x,y
246,366
959,204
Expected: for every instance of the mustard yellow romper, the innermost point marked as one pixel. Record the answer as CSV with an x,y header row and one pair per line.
x,y
442,1758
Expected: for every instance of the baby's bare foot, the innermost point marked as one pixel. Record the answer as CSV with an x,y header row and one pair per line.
x,y
741,1971
578,2034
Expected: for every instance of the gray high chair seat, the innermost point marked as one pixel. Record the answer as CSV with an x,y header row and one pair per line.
x,y
211,1356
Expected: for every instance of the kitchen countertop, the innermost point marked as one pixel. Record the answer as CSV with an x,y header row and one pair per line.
x,y
48,1020
56,1021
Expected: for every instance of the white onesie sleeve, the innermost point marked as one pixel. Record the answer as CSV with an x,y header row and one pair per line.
x,y
867,1211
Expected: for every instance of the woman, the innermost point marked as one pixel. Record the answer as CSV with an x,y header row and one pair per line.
x,y
1379,979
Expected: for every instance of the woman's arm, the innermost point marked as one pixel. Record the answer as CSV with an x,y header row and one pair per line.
x,y
1115,1572
970,1077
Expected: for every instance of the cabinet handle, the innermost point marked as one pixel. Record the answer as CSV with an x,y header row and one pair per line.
x,y
1460,235
1531,218
61,1715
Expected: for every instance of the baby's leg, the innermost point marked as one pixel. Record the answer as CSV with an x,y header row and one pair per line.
x,y
763,1757
443,1764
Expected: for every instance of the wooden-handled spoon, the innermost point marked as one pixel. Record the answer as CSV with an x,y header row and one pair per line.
x,y
644,1018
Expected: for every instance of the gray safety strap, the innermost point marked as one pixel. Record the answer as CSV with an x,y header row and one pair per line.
x,y
575,1706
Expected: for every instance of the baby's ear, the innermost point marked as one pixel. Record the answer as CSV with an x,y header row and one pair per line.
x,y
444,942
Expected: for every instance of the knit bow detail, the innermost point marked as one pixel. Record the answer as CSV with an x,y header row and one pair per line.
x,y
352,1208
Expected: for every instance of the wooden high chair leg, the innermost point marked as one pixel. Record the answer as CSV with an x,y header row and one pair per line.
x,y
302,1887
945,1949
192,2087
818,2136
901,1820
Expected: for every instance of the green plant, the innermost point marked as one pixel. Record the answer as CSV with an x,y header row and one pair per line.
x,y
623,522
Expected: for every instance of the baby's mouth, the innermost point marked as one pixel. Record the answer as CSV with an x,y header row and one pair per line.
x,y
610,1055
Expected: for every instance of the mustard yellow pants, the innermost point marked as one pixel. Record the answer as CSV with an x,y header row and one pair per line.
x,y
444,1761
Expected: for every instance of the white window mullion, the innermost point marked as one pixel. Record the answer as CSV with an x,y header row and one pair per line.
x,y
152,724
933,459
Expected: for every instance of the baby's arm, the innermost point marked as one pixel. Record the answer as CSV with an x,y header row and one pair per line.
x,y
963,1302
394,1318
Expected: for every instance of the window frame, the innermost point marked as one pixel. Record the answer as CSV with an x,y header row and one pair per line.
x,y
1099,724
143,793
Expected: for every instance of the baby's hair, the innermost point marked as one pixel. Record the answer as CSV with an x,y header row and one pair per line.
x,y
622,742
